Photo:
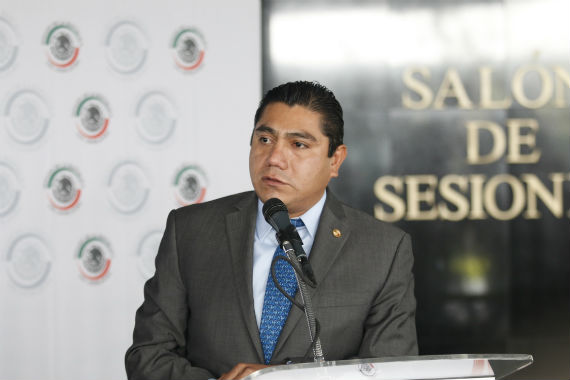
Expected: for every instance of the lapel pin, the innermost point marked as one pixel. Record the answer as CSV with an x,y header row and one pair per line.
x,y
336,233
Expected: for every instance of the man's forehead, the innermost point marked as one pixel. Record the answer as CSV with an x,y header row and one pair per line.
x,y
280,116
284,107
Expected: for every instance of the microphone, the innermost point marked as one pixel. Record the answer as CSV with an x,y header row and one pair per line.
x,y
276,214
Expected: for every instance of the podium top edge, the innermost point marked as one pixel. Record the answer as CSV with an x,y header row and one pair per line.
x,y
524,359
515,357
387,359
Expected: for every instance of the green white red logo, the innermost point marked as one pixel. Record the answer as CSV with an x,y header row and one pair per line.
x,y
62,44
189,185
188,49
92,116
94,258
64,188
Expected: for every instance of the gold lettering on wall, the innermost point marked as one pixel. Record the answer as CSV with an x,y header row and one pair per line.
x,y
474,156
477,181
452,87
517,191
536,189
517,140
421,89
382,191
562,84
456,197
486,91
553,84
546,87
421,191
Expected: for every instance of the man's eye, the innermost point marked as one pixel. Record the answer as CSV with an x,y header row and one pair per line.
x,y
264,139
300,144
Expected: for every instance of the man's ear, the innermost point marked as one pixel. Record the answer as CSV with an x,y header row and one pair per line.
x,y
337,159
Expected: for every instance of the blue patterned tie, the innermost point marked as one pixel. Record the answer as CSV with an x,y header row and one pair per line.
x,y
275,305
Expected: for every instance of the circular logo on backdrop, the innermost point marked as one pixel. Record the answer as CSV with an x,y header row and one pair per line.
x,y
367,369
8,45
189,185
9,189
94,258
126,46
92,117
62,45
27,116
155,117
188,49
148,247
29,261
64,188
128,187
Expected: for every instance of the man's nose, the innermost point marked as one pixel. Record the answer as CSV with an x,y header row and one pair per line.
x,y
278,156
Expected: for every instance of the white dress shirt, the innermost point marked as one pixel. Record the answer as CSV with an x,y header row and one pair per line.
x,y
265,243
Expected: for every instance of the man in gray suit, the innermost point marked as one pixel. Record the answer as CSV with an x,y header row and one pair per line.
x,y
208,311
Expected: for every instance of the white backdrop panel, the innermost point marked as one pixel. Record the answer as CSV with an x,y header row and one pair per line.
x,y
76,195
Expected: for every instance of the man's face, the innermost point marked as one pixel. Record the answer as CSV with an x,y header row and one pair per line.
x,y
288,157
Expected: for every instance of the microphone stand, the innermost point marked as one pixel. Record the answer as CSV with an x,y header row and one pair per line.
x,y
306,298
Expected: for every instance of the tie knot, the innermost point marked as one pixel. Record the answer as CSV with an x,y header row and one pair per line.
x,y
297,222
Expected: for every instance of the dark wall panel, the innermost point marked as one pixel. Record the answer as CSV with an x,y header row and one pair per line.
x,y
491,239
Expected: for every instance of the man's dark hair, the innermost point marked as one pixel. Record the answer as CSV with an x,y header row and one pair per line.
x,y
315,97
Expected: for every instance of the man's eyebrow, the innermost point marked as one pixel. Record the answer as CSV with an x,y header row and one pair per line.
x,y
302,135
266,129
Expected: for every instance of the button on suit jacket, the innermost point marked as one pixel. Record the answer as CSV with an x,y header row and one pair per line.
x,y
197,320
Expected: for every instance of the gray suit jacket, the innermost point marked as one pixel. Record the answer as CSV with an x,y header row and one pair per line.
x,y
197,320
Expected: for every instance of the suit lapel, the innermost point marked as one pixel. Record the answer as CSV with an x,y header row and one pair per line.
x,y
326,248
240,225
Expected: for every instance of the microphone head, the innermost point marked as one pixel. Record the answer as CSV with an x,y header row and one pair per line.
x,y
275,213
273,206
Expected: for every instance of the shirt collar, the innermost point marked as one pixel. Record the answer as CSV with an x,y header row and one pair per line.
x,y
310,218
